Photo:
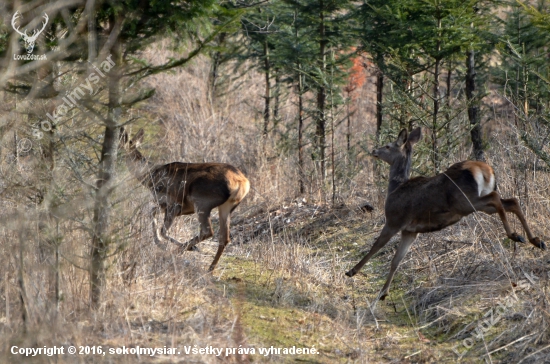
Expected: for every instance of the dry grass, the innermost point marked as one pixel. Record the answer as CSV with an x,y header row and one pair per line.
x,y
281,282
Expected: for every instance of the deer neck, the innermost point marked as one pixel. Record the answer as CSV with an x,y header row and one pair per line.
x,y
138,164
400,171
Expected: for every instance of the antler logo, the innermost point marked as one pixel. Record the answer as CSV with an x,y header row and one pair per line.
x,y
29,39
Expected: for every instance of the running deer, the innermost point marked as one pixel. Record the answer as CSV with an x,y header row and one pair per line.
x,y
185,188
425,204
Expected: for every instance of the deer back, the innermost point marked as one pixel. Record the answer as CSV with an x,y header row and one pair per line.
x,y
185,182
425,204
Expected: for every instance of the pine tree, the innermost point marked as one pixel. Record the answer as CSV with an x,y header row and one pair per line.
x,y
411,42
525,73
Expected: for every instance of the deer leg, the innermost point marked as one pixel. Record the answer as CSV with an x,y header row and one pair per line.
x,y
512,205
382,240
223,239
171,212
153,213
206,229
490,204
407,238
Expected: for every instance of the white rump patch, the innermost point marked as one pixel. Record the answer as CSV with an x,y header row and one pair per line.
x,y
484,188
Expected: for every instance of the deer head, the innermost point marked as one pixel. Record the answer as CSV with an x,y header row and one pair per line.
x,y
398,155
400,148
131,144
28,39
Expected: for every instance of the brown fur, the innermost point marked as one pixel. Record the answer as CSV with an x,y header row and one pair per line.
x,y
425,204
187,188
485,169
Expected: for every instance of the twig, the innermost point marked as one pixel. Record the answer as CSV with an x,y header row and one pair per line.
x,y
536,352
413,354
513,342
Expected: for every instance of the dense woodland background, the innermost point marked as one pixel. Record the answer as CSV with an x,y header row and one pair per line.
x,y
295,93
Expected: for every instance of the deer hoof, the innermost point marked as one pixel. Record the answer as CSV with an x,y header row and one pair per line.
x,y
539,243
350,273
193,248
518,238
383,297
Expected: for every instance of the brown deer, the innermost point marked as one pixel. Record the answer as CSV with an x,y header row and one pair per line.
x,y
185,188
425,204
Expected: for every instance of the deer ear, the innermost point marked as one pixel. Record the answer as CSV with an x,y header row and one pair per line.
x,y
415,136
138,137
123,137
402,138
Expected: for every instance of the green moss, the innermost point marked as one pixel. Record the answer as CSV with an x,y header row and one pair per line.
x,y
276,309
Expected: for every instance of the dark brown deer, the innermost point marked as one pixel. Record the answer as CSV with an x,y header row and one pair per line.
x,y
425,204
187,188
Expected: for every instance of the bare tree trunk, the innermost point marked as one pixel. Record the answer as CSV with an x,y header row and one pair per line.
x,y
47,240
56,269
448,92
525,82
348,133
267,89
7,297
435,146
102,208
15,148
333,165
92,33
379,114
517,69
216,62
277,105
379,95
21,283
214,75
321,95
435,96
301,178
473,112
300,132
448,107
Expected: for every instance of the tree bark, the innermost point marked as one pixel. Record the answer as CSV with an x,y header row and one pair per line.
x,y
435,146
348,133
107,164
321,95
332,164
301,182
216,62
267,89
47,238
300,132
473,109
277,104
379,95
21,282
435,96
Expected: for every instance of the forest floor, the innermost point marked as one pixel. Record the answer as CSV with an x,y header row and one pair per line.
x,y
457,295
431,314
463,294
